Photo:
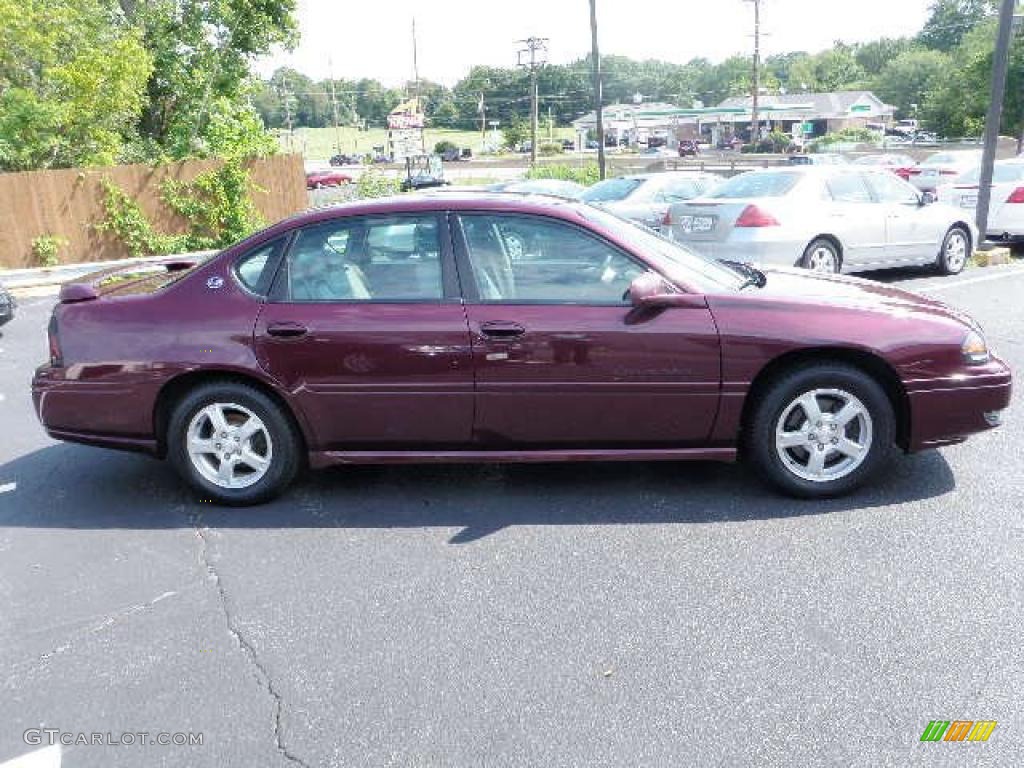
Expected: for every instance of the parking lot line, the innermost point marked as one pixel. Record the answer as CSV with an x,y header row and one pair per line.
x,y
949,285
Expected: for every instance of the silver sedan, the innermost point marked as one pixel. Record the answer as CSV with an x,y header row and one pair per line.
x,y
646,197
826,219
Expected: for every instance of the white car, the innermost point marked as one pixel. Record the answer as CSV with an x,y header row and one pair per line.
x,y
645,197
1006,208
828,219
942,167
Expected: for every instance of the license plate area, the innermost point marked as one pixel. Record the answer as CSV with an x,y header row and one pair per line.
x,y
696,224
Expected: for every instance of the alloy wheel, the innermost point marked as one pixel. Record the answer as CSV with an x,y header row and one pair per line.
x,y
822,259
956,251
824,435
229,445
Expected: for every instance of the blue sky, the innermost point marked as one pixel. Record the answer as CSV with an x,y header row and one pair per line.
x,y
372,39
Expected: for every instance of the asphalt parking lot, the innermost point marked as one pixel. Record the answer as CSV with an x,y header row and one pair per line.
x,y
588,615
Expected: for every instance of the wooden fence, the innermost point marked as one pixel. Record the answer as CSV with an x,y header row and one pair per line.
x,y
69,204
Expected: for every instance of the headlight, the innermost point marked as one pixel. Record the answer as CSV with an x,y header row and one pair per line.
x,y
975,350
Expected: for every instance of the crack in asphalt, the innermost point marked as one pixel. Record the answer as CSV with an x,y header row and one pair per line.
x,y
260,671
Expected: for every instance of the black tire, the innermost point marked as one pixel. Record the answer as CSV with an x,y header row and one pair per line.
x,y
821,244
775,402
949,261
285,446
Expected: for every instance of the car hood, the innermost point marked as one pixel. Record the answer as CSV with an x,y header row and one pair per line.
x,y
844,291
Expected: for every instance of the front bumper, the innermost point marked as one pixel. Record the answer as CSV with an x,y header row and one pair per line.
x,y
947,411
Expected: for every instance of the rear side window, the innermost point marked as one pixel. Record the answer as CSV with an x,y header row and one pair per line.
x,y
758,185
255,268
848,188
394,258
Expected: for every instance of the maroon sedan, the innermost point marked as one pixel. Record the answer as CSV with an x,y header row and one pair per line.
x,y
446,328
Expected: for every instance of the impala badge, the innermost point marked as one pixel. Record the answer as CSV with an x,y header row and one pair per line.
x,y
215,282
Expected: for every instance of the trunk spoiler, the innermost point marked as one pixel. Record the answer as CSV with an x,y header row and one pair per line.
x,y
96,284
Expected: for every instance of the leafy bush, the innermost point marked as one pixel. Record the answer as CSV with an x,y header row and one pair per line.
x,y
375,184
845,136
46,250
582,174
748,149
445,146
551,148
775,142
217,205
126,221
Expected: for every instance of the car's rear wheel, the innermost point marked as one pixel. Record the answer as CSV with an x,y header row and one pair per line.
x,y
822,255
821,430
956,249
233,444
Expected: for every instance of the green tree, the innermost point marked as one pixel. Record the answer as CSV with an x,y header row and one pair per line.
x,y
72,83
908,78
950,20
201,51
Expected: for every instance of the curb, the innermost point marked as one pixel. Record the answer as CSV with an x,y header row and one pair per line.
x,y
40,277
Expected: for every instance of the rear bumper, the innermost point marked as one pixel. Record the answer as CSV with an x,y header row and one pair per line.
x,y
948,411
106,414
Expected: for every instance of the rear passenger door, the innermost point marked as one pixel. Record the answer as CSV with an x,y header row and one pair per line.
x,y
365,327
856,219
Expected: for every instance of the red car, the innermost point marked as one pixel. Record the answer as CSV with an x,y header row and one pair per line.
x,y
326,178
473,327
903,166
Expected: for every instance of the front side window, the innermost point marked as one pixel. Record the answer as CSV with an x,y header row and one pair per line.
x,y
534,260
394,258
890,189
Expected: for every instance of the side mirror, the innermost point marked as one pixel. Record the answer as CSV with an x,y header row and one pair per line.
x,y
927,198
652,291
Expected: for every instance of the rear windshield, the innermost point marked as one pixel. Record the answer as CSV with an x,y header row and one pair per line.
x,y
610,190
758,185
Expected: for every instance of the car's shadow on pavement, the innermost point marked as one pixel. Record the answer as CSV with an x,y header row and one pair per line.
x,y
67,486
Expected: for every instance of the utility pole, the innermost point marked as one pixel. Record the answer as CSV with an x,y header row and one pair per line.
x,y
334,107
286,98
1000,64
416,77
595,62
755,116
537,48
482,109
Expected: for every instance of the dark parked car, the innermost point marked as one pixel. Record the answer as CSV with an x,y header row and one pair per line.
x,y
411,330
688,147
7,305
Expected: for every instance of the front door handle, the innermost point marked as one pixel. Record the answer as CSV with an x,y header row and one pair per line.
x,y
501,330
287,330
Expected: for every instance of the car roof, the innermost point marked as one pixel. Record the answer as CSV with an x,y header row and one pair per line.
x,y
437,200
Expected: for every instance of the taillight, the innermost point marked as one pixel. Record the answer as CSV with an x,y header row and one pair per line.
x,y
666,220
946,172
754,216
53,337
1017,196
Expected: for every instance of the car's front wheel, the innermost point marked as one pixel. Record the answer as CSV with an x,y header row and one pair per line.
x,y
233,444
956,250
821,430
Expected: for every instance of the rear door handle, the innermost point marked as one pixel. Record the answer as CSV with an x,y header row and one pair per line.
x,y
501,330
287,330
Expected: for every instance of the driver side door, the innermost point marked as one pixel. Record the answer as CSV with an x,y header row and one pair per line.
x,y
562,358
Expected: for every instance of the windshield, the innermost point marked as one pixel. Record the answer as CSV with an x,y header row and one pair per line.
x,y
677,262
771,184
610,190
